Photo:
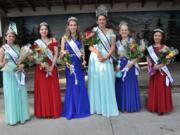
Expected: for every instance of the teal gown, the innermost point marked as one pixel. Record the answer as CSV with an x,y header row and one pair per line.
x,y
15,96
101,83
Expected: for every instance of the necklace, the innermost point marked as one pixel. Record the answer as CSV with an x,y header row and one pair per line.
x,y
46,40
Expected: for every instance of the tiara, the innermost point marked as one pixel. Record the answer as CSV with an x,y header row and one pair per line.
x,y
101,10
72,18
11,31
43,24
123,23
158,30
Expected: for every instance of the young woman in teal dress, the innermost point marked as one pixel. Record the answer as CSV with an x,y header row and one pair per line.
x,y
101,81
15,94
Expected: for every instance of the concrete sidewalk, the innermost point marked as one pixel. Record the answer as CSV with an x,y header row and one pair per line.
x,y
141,123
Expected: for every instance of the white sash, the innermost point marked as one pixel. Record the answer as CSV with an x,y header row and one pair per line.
x,y
75,48
119,44
11,52
164,68
137,68
104,41
20,76
43,45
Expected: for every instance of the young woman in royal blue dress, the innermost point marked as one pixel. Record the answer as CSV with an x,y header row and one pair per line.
x,y
127,91
76,104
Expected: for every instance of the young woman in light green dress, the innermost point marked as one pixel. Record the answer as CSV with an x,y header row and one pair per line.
x,y
101,76
15,94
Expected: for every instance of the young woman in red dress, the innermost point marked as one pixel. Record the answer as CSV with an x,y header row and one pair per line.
x,y
159,92
47,98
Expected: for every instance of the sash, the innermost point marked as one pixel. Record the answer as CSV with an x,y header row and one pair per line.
x,y
125,70
105,42
119,44
74,47
78,53
155,58
14,56
43,45
20,76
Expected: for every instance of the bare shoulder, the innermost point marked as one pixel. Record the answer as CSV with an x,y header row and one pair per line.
x,y
1,51
110,30
63,38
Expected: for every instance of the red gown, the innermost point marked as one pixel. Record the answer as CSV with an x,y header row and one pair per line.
x,y
159,95
47,97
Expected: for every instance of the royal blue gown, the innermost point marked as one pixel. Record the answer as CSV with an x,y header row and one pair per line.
x,y
127,90
76,104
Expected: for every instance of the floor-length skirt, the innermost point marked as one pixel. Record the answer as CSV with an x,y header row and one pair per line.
x,y
15,100
159,95
47,97
101,86
127,91
76,103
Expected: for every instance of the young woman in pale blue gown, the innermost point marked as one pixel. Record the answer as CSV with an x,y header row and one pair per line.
x,y
101,79
15,94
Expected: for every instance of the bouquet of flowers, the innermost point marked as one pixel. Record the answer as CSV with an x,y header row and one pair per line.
x,y
25,52
91,40
67,58
134,51
64,58
40,56
167,55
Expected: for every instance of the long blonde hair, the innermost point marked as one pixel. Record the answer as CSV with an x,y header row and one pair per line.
x,y
68,33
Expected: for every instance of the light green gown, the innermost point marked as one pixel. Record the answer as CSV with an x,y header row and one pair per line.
x,y
101,83
15,96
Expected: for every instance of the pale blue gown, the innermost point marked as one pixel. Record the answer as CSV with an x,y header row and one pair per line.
x,y
101,82
15,96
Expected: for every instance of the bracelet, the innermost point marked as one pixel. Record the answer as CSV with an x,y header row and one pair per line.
x,y
62,51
